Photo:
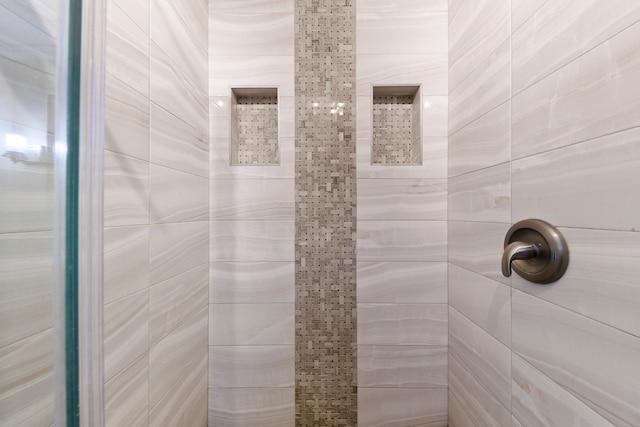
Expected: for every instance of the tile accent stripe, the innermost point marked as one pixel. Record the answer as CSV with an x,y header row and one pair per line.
x,y
325,181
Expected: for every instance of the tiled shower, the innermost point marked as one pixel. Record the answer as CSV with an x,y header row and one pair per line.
x,y
305,207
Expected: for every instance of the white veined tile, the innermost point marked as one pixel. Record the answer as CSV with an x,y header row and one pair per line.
x,y
251,324
379,407
251,34
252,241
252,407
251,282
177,196
256,200
483,195
251,366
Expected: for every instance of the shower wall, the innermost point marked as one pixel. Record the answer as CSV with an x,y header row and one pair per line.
x,y
156,213
544,115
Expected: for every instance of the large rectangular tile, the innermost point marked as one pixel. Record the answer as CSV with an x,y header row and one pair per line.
x,y
181,27
429,70
402,282
483,195
602,85
486,302
252,241
251,324
137,10
560,32
178,145
478,247
251,282
486,358
522,10
126,261
402,240
252,407
537,401
486,87
256,200
173,301
126,332
126,190
394,366
476,29
177,196
26,381
406,6
570,187
602,279
251,71
26,285
402,31
379,407
251,6
174,357
126,395
176,248
402,324
251,366
126,120
251,34
402,199
471,402
435,116
483,143
594,362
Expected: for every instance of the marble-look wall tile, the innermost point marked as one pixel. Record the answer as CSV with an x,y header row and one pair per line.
x,y
255,200
401,32
402,324
486,302
177,196
173,301
251,324
176,248
402,282
251,282
126,395
522,10
606,93
126,120
602,279
483,90
402,366
402,199
251,6
176,91
402,240
251,34
378,407
570,186
486,358
252,241
483,195
177,145
478,247
126,332
251,71
181,27
252,407
126,190
251,366
26,381
435,111
126,261
26,285
560,32
399,69
127,49
382,6
594,362
471,402
137,10
476,30
175,356
538,401
482,143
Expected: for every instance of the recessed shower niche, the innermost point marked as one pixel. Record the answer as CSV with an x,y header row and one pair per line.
x,y
396,119
254,126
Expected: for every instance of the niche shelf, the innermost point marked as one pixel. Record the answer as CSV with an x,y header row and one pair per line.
x,y
254,126
396,125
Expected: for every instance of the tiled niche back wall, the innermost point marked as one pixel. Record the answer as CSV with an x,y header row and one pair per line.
x,y
401,220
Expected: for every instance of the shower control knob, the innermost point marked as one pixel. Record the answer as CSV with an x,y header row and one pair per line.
x,y
536,250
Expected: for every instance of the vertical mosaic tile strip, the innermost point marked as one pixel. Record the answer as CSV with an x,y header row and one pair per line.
x,y
255,138
326,384
393,130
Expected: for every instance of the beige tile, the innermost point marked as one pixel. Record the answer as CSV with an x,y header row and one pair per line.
x,y
255,200
137,10
402,407
402,324
173,301
522,10
221,168
252,407
126,190
260,366
402,199
126,332
177,196
406,5
180,27
251,34
484,195
252,241
251,324
251,282
252,6
435,111
126,395
126,261
251,71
